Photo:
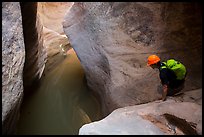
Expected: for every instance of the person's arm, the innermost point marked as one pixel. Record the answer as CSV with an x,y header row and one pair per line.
x,y
164,93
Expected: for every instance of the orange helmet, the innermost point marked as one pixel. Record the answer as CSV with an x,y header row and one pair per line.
x,y
152,59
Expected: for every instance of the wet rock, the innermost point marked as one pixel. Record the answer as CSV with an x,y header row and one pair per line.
x,y
56,47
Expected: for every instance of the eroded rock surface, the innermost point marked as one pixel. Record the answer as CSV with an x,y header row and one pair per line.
x,y
157,118
13,57
52,14
35,50
56,47
23,58
113,41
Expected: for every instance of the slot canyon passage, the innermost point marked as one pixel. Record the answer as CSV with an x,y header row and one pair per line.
x,y
80,68
62,104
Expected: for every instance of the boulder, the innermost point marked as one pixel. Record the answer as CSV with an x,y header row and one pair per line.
x,y
156,118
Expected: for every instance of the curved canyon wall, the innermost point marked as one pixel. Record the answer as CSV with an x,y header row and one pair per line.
x,y
52,14
35,51
114,39
23,58
38,27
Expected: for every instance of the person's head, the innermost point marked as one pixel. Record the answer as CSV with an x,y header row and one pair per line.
x,y
153,61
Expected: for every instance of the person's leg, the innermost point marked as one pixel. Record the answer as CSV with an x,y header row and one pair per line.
x,y
173,91
170,92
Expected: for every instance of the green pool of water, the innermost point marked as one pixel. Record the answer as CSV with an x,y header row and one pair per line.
x,y
61,104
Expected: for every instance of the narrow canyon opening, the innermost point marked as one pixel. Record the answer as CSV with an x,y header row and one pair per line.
x,y
60,102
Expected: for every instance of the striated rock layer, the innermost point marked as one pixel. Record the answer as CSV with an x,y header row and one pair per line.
x,y
114,39
52,14
13,57
56,47
35,51
23,58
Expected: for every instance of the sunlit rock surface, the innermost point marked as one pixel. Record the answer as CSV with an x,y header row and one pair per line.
x,y
13,57
113,41
156,118
56,47
52,14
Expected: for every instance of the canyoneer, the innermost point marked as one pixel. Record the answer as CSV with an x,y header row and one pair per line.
x,y
172,74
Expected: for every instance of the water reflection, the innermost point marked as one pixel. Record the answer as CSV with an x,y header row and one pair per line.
x,y
62,103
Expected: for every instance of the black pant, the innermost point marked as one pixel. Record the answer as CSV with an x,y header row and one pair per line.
x,y
175,89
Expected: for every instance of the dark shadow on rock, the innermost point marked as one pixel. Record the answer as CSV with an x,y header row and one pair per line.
x,y
182,124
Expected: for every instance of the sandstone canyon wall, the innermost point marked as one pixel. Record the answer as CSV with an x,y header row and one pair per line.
x,y
51,15
38,27
13,58
23,58
35,50
114,39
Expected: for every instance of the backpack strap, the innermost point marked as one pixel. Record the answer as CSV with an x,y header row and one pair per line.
x,y
163,65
